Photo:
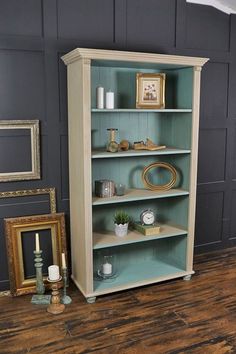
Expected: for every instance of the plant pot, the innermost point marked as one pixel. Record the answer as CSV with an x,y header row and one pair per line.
x,y
121,230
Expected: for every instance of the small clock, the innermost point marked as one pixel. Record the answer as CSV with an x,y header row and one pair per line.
x,y
147,217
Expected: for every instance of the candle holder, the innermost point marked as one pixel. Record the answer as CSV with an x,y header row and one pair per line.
x,y
107,267
66,299
55,306
112,145
40,298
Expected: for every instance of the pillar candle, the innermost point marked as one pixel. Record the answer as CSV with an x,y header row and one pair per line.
x,y
107,268
109,100
100,97
63,260
37,247
53,272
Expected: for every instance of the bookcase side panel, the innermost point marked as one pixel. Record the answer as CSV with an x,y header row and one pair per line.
x,y
193,165
80,173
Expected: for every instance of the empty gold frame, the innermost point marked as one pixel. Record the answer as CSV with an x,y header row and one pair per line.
x,y
16,229
32,192
33,154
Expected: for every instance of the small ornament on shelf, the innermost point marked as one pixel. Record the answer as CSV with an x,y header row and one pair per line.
x,y
110,102
120,189
104,188
147,225
100,97
149,145
107,270
159,187
121,220
112,145
124,145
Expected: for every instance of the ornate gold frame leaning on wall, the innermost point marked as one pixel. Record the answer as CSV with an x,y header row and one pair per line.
x,y
30,192
33,126
14,230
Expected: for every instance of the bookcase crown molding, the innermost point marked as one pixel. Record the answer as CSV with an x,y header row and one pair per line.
x,y
115,55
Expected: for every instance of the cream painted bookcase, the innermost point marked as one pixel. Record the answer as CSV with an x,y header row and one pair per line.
x,y
140,259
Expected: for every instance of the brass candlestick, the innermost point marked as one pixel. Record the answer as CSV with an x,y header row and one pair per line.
x,y
65,298
55,307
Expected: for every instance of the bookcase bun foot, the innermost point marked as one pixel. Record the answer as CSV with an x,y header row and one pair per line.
x,y
91,300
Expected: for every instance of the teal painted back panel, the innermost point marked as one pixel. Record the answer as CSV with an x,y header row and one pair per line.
x,y
170,210
172,130
123,82
128,170
179,88
171,251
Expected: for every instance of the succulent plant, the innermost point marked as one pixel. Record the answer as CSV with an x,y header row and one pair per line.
x,y
121,217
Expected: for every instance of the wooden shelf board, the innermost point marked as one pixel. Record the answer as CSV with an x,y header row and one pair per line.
x,y
134,110
108,239
144,271
139,194
101,154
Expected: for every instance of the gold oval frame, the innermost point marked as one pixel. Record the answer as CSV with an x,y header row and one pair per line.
x,y
163,187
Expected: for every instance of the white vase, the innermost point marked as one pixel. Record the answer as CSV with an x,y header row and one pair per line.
x,y
121,230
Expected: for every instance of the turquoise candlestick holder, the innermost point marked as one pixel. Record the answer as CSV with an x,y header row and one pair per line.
x,y
40,298
66,300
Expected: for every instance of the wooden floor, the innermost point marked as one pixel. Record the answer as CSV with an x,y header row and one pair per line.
x,y
197,316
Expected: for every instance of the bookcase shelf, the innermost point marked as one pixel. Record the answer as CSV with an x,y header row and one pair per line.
x,y
101,154
108,239
141,260
132,195
133,275
135,110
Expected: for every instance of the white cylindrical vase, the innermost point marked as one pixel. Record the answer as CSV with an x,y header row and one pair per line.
x,y
100,97
110,100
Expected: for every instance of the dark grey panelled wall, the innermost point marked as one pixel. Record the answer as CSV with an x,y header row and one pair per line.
x,y
34,35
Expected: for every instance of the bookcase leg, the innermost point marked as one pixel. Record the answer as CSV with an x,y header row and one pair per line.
x,y
91,300
187,277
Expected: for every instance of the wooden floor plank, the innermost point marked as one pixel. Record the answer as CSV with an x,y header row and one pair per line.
x,y
174,317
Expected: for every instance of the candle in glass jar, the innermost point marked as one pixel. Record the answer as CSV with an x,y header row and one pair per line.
x,y
37,246
107,268
63,260
109,100
53,272
100,97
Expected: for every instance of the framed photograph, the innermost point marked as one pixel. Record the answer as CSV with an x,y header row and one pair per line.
x,y
150,91
20,240
19,150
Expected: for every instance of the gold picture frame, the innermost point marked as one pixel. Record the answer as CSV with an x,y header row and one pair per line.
x,y
14,232
31,192
33,127
150,90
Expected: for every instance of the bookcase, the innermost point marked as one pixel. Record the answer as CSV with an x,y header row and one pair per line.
x,y
141,259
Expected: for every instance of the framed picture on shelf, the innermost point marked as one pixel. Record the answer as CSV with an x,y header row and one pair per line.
x,y
150,90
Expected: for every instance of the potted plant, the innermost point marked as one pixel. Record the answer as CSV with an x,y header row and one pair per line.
x,y
121,220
